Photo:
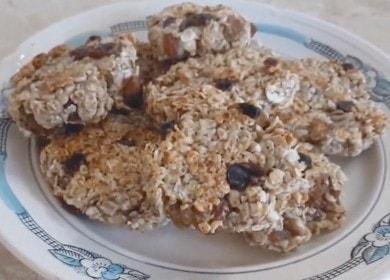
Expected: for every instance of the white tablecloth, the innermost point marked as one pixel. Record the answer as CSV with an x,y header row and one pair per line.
x,y
21,18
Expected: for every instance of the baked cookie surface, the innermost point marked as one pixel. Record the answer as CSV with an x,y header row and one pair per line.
x,y
107,172
322,102
323,210
229,171
72,86
188,29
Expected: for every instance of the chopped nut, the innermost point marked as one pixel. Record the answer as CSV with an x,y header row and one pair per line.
x,y
133,93
170,46
318,130
234,27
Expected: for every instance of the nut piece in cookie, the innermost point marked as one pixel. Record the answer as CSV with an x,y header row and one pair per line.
x,y
187,29
108,173
69,86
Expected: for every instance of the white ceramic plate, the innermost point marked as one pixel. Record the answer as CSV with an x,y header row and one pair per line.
x,y
59,245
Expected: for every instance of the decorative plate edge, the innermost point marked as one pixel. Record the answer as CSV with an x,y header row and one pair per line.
x,y
372,247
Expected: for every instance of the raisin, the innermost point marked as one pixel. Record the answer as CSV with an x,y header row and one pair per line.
x,y
345,106
68,103
306,160
250,110
79,53
167,127
42,142
69,208
347,66
168,21
257,173
224,84
127,142
241,175
132,93
71,129
93,38
270,62
98,52
73,164
196,20
104,50
120,111
238,176
170,46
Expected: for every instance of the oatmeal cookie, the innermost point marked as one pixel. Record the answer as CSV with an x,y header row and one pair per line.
x,y
107,172
72,86
332,110
226,171
323,211
322,102
188,29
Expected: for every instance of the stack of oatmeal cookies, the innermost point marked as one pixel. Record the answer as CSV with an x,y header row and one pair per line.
x,y
200,126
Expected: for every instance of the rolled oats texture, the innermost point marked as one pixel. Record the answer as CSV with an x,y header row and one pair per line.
x,y
71,86
107,172
201,187
320,101
321,211
188,29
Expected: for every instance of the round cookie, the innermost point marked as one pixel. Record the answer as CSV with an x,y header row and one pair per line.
x,y
107,172
322,102
71,86
323,211
226,171
208,83
188,29
332,110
